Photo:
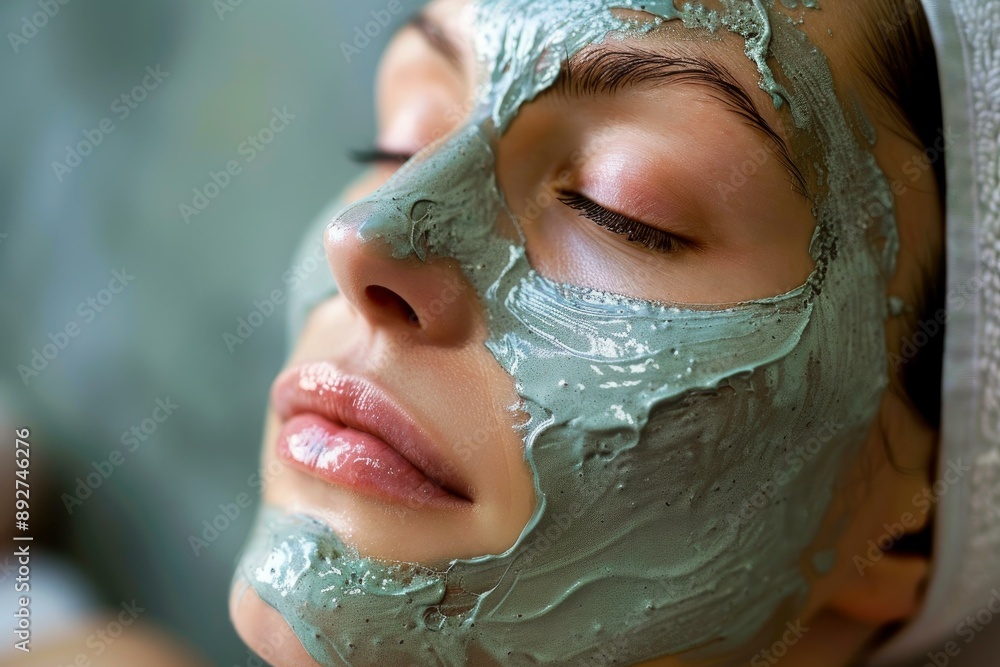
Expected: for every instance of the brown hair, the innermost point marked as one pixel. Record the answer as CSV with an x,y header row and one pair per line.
x,y
901,63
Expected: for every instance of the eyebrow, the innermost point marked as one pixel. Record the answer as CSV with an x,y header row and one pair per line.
x,y
608,72
437,38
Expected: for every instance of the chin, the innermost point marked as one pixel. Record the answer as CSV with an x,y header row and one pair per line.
x,y
263,629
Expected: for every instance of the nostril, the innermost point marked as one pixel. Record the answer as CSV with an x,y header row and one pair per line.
x,y
385,299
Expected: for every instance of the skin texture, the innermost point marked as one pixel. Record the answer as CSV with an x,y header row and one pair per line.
x,y
442,356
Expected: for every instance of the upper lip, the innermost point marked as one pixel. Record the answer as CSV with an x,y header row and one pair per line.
x,y
321,388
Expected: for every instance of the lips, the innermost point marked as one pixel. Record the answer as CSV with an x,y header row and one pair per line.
x,y
349,432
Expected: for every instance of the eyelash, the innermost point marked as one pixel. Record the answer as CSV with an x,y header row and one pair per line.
x,y
635,231
377,156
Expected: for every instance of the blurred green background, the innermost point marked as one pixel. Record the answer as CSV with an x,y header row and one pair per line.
x,y
224,67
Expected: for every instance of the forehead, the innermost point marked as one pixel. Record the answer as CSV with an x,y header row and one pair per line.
x,y
507,32
513,49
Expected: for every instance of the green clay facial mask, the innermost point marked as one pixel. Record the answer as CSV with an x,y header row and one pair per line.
x,y
652,426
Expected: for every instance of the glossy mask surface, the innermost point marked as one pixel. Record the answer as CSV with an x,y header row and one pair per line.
x,y
651,426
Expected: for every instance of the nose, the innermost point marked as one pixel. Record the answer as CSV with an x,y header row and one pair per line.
x,y
405,255
402,290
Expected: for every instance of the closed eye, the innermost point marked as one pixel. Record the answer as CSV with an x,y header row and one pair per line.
x,y
633,230
378,156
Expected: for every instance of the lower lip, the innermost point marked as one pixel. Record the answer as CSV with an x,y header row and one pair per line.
x,y
357,460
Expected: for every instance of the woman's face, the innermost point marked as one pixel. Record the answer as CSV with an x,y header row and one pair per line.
x,y
623,153
516,399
